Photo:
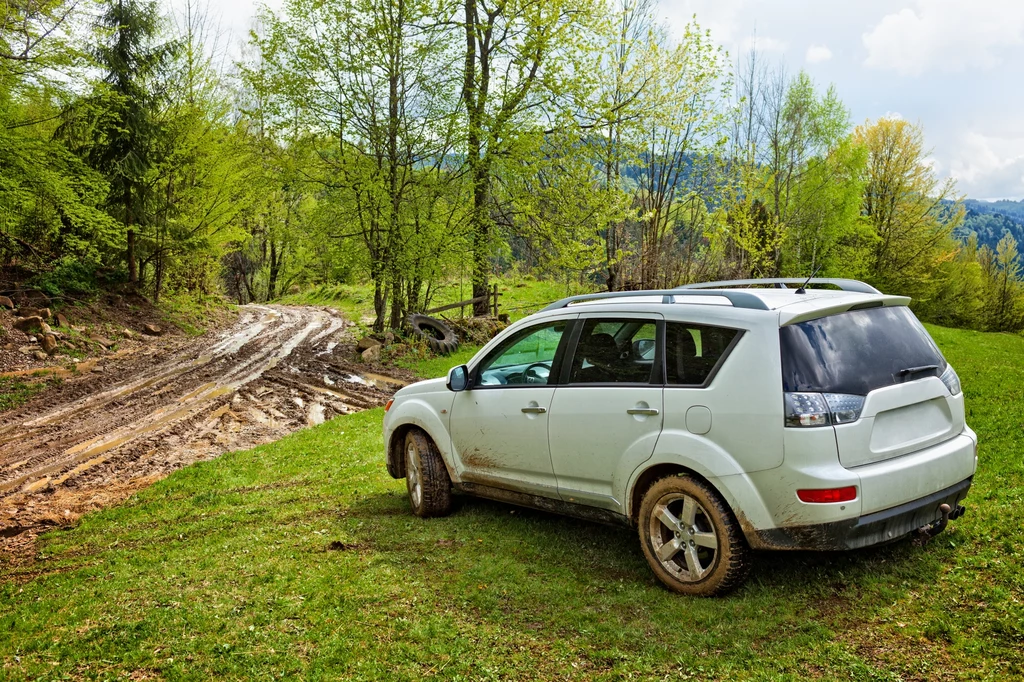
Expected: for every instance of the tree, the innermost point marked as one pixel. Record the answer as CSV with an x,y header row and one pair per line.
x,y
518,57
355,92
202,170
125,133
795,157
50,202
1005,306
911,214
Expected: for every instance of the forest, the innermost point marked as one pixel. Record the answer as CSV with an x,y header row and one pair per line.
x,y
407,144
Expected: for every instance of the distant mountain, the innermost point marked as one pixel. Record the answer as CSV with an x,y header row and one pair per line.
x,y
990,220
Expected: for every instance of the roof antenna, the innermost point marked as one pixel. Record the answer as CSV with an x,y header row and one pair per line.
x,y
802,290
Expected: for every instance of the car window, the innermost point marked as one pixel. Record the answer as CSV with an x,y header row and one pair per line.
x,y
526,358
692,351
858,351
614,351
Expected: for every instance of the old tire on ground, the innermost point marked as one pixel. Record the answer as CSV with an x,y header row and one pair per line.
x,y
690,538
438,335
426,477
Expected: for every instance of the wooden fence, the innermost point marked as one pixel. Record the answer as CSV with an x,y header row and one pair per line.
x,y
490,297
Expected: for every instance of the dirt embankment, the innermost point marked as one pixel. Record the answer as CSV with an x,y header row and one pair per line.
x,y
97,438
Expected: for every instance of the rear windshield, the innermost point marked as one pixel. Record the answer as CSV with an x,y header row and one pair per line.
x,y
858,351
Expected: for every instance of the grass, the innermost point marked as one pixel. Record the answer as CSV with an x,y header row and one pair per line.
x,y
438,366
192,313
16,391
300,559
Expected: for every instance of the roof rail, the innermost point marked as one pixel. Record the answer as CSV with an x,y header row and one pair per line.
x,y
781,282
739,299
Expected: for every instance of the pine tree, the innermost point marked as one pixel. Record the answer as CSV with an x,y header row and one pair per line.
x,y
124,136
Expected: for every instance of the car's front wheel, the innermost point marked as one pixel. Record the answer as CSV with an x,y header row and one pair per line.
x,y
690,538
426,477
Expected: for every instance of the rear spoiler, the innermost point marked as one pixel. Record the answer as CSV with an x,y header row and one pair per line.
x,y
788,316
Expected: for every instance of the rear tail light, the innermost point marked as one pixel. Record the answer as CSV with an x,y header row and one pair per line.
x,y
822,409
828,495
951,380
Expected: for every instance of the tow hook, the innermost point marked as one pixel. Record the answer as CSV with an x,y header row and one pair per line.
x,y
948,513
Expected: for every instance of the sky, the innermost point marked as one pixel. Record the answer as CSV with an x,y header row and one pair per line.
x,y
954,66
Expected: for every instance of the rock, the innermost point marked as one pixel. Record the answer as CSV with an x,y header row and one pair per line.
x,y
389,338
27,350
62,321
43,313
49,344
6,303
371,354
128,333
152,329
366,343
105,342
45,328
39,355
27,324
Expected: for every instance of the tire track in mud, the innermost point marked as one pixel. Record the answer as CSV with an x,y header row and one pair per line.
x,y
276,370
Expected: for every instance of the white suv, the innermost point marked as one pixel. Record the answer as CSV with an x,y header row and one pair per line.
x,y
717,420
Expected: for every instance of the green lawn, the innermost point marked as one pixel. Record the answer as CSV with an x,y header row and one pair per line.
x,y
300,559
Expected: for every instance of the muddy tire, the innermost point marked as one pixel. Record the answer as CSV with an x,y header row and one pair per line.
x,y
436,333
426,477
691,539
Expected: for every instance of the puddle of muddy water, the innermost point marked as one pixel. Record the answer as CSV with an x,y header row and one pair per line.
x,y
316,415
375,380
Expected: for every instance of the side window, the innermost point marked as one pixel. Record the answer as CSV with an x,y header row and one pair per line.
x,y
692,351
526,358
614,351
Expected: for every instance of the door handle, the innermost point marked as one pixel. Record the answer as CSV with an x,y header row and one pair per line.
x,y
651,411
535,410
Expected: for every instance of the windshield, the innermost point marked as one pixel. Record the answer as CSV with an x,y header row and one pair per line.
x,y
858,351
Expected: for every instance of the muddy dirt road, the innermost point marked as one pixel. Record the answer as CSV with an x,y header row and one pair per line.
x,y
277,369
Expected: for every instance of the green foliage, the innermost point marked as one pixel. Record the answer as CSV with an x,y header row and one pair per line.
x,y
50,201
988,225
424,146
68,276
336,123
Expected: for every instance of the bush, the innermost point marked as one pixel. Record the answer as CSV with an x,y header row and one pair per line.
x,y
69,276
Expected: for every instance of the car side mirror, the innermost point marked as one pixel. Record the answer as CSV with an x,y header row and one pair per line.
x,y
458,378
642,348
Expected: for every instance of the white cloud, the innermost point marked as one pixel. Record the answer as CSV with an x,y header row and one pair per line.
x,y
723,19
948,35
818,53
987,166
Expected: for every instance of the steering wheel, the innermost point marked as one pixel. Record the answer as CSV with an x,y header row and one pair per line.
x,y
537,373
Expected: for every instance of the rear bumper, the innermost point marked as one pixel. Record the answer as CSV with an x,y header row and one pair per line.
x,y
872,529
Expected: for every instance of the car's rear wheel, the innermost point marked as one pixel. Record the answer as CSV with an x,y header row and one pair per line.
x,y
426,477
690,538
